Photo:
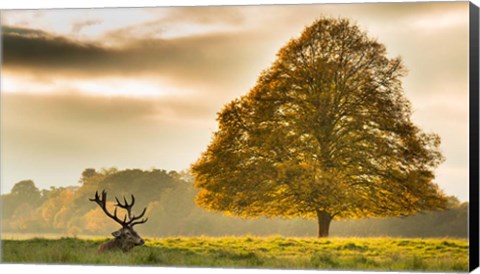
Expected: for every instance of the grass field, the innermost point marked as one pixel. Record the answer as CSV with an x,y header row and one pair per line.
x,y
253,252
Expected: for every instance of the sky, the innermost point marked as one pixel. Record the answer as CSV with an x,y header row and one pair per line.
x,y
141,87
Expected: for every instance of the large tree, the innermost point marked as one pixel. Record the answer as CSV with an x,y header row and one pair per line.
x,y
325,133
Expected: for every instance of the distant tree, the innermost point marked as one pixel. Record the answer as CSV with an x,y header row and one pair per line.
x,y
325,133
57,198
23,192
87,174
90,180
27,190
20,204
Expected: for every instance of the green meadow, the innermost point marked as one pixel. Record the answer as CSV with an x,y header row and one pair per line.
x,y
394,254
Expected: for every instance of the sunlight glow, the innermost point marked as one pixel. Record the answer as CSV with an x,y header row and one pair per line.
x,y
14,84
185,30
441,20
98,87
119,87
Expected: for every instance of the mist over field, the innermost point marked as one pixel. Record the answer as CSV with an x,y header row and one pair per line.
x,y
169,198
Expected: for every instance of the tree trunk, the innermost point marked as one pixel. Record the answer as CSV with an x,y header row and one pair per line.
x,y
324,220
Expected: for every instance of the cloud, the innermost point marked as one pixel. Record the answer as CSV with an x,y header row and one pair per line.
x,y
185,21
72,109
38,50
78,26
208,15
217,57
221,42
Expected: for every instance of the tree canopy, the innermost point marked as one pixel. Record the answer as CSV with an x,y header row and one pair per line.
x,y
325,133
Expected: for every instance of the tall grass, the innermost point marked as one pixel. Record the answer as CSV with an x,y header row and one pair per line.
x,y
253,252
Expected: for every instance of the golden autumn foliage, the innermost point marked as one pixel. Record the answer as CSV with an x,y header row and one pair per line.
x,y
94,221
325,133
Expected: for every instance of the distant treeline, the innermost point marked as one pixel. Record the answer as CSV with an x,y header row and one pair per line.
x,y
169,198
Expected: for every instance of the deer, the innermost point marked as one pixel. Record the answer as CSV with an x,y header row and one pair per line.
x,y
126,237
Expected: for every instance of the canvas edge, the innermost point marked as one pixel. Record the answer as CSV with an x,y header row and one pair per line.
x,y
474,138
1,141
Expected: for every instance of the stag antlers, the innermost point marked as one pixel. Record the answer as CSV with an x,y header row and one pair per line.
x,y
132,220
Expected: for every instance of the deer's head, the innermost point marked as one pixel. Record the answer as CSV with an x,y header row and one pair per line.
x,y
126,237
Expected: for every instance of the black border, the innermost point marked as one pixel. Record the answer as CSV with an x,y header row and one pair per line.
x,y
474,139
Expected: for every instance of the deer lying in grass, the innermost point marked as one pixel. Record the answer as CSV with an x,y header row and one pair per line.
x,y
125,238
